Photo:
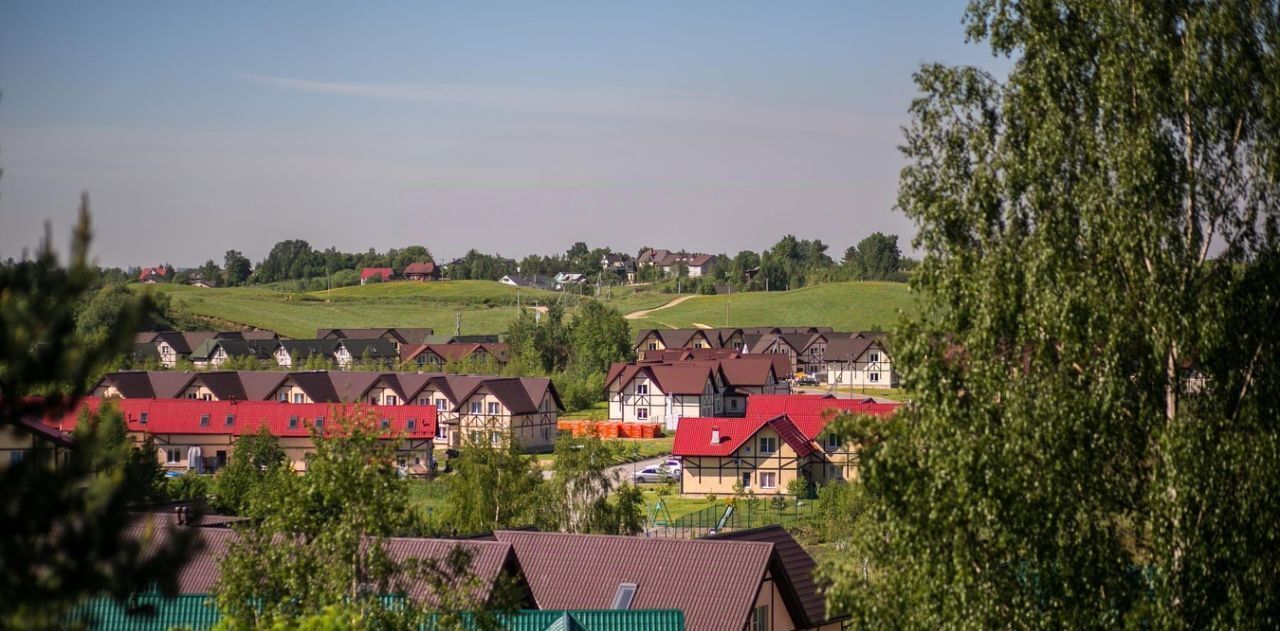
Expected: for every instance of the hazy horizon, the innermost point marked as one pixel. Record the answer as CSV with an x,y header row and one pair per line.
x,y
508,128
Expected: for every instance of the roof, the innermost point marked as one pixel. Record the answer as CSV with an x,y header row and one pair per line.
x,y
44,432
670,379
369,272
535,281
520,395
374,349
452,352
713,582
798,567
693,435
303,349
428,268
194,416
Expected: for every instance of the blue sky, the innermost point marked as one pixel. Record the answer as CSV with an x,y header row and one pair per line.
x,y
511,127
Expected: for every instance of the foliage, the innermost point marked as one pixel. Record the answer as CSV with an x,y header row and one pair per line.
x,y
477,266
255,460
328,527
579,390
1093,435
120,457
581,485
598,337
188,486
235,268
494,487
64,523
876,257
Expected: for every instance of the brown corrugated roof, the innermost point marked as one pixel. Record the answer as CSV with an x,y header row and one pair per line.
x,y
713,582
753,370
260,385
845,349
317,386
352,385
131,384
798,568
680,379
225,385
509,390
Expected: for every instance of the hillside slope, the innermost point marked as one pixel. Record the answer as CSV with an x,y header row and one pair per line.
x,y
849,306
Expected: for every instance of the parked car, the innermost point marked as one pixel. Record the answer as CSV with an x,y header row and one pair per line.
x,y
801,379
656,473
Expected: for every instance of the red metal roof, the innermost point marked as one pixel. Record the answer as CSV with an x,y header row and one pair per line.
x,y
184,416
385,272
798,419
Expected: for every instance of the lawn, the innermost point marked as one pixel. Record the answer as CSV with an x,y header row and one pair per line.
x,y
484,306
848,306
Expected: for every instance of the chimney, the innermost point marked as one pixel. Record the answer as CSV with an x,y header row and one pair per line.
x,y
715,435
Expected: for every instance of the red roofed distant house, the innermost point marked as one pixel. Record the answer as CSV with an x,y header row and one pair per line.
x,y
421,271
153,275
382,273
32,440
780,440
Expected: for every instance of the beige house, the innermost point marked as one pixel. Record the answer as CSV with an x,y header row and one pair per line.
x,y
32,441
860,362
496,410
662,393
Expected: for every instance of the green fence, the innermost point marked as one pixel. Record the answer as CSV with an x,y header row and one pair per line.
x,y
737,515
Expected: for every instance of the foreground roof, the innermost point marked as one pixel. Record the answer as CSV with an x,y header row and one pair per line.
x,y
713,582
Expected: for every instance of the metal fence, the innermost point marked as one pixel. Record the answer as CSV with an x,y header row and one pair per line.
x,y
737,515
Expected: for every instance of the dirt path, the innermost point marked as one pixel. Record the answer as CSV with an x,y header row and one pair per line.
x,y
644,313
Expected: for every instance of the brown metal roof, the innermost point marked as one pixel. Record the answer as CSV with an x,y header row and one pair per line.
x,y
260,385
225,385
713,582
131,384
317,386
797,567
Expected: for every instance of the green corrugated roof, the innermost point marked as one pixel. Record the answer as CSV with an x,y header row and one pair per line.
x,y
153,612
148,612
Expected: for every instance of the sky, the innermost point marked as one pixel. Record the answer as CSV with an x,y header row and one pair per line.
x,y
508,127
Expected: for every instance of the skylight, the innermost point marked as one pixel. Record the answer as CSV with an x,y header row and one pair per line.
x,y
626,593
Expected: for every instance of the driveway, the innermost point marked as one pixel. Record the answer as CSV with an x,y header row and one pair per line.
x,y
623,471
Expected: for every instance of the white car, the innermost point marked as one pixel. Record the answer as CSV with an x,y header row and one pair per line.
x,y
657,473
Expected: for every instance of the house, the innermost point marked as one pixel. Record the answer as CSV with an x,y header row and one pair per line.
x,y
27,440
216,352
153,275
527,282
383,274
696,263
781,439
421,271
377,352
172,346
860,361
759,580
400,336
564,279
436,356
619,264
495,410
206,284
661,393
200,435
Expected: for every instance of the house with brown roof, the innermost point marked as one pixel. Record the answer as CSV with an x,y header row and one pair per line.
x,y
421,271
860,361
496,410
754,581
662,393
696,263
436,356
26,440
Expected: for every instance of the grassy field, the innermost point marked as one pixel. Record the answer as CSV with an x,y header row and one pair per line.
x,y
489,306
485,306
844,306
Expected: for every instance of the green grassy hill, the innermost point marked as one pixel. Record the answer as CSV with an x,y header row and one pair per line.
x,y
849,306
488,306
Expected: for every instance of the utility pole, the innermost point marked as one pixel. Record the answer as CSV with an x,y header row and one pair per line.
x,y
457,324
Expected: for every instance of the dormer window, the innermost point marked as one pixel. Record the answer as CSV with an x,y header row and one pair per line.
x,y
142,418
231,420
319,422
411,424
293,422
624,596
204,420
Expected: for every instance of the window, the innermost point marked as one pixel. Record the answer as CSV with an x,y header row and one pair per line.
x,y
874,357
768,480
760,618
653,346
221,456
441,404
733,403
173,455
833,441
297,397
493,407
231,420
293,422
142,418
642,413
16,456
206,396
874,377
319,421
476,407
642,389
623,597
442,431
390,399
746,480
411,425
284,397
424,401
204,420
386,423
191,395
768,444
495,438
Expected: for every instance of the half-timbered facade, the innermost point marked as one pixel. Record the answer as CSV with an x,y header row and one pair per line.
x,y
860,362
662,393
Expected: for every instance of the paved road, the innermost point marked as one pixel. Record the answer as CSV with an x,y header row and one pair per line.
x,y
623,470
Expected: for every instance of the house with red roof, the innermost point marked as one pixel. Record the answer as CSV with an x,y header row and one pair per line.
x,y
153,275
383,274
31,440
200,435
782,438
